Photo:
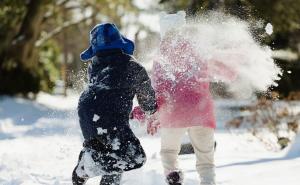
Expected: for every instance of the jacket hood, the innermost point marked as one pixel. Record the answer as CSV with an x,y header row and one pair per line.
x,y
105,37
169,22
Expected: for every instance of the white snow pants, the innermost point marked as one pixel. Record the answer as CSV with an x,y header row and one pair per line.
x,y
202,140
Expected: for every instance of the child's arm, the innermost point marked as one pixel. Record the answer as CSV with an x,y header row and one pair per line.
x,y
224,72
161,84
145,92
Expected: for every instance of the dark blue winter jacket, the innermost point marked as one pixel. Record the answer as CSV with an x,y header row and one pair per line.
x,y
114,79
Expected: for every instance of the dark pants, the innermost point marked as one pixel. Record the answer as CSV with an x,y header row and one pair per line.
x,y
112,153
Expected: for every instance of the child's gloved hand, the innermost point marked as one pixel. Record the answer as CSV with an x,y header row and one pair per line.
x,y
151,120
153,127
138,113
153,124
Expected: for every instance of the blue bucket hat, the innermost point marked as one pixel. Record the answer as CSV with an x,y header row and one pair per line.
x,y
106,36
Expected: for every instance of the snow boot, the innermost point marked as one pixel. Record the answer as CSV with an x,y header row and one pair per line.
x,y
111,179
175,178
76,180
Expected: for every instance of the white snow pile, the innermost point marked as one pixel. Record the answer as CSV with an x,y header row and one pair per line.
x,y
44,149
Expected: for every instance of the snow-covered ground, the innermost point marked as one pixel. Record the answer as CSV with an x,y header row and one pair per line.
x,y
40,142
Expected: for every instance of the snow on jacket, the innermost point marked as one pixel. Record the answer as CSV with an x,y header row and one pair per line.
x,y
114,79
181,82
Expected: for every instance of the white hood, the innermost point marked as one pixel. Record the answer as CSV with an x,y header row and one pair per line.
x,y
169,22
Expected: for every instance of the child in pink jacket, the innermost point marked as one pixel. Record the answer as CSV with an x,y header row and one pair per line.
x,y
182,86
181,82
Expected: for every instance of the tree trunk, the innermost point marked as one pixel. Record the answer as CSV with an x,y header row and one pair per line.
x,y
65,60
22,48
19,60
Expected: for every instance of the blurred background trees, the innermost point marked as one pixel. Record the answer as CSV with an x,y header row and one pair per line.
x,y
41,39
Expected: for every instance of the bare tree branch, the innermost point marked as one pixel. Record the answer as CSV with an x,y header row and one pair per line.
x,y
163,1
57,30
64,5
62,2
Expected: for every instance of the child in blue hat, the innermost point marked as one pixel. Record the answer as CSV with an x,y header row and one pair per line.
x,y
110,147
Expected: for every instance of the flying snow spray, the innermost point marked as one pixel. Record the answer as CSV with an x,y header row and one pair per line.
x,y
224,44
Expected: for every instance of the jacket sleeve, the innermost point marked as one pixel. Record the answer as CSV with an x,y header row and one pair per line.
x,y
160,84
221,71
145,92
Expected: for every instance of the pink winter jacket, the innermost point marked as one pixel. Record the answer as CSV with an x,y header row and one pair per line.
x,y
181,82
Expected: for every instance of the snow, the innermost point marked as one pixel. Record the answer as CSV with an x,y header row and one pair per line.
x,y
145,4
101,131
269,29
96,118
285,55
90,165
294,150
226,45
115,144
44,147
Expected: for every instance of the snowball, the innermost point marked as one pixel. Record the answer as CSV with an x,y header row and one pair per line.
x,y
269,29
